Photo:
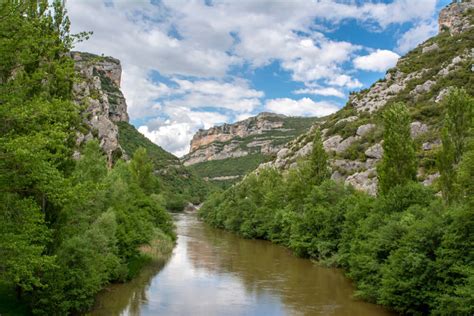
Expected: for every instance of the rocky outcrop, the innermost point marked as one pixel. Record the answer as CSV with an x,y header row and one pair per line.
x,y
453,17
421,79
98,91
264,134
251,126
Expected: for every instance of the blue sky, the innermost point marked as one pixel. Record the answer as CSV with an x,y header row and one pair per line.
x,y
195,64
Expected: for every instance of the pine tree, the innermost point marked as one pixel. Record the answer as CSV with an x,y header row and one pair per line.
x,y
398,165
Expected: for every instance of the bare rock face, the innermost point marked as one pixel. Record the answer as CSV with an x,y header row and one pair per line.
x,y
99,90
452,17
223,142
252,126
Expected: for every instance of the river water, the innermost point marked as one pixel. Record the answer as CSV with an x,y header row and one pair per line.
x,y
213,272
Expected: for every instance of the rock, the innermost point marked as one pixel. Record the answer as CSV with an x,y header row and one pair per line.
x,y
342,147
422,88
347,119
305,151
418,128
282,153
375,151
332,142
441,95
395,88
452,17
456,60
430,48
105,106
431,178
365,181
350,166
337,176
431,145
364,129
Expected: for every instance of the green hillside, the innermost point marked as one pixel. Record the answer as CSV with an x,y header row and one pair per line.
x,y
180,184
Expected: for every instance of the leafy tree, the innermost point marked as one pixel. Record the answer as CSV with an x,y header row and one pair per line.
x,y
458,126
398,165
318,161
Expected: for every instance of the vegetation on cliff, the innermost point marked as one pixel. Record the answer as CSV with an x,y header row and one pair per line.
x,y
67,227
407,249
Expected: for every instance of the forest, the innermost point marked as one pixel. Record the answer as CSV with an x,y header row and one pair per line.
x,y
410,248
67,227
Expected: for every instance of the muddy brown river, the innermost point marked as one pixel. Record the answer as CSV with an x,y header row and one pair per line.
x,y
213,272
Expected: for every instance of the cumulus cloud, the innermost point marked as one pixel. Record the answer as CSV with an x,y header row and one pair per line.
x,y
328,92
301,107
175,133
380,60
416,35
194,46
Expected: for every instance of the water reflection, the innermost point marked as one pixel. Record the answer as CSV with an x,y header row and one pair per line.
x,y
212,272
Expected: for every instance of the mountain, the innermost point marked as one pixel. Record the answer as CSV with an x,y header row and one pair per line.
x,y
352,136
105,117
223,154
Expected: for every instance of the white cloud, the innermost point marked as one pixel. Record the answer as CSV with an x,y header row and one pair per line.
x,y
416,35
174,134
202,43
301,107
345,81
380,60
329,92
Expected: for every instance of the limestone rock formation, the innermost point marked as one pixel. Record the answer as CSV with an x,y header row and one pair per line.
x,y
98,90
453,18
421,79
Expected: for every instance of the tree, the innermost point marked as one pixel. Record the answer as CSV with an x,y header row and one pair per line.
x,y
398,165
319,166
458,125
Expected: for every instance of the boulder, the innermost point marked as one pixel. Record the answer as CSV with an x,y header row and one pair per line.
x,y
364,181
342,147
364,129
375,151
332,142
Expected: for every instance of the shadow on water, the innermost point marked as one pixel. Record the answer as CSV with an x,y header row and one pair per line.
x,y
213,272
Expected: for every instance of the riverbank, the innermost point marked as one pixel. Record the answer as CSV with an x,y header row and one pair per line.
x,y
214,272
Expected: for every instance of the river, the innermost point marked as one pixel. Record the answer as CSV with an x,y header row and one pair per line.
x,y
213,272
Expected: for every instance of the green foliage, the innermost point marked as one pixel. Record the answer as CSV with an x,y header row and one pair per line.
x,y
67,228
398,165
458,127
404,249
180,185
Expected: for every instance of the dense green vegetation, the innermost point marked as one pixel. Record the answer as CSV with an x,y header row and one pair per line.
x,y
67,228
237,167
407,248
180,185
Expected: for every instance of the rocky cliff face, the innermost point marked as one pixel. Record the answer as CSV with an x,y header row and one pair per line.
x,y
98,92
227,152
421,79
455,17
226,141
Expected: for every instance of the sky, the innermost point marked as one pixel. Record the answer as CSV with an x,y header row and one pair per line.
x,y
190,65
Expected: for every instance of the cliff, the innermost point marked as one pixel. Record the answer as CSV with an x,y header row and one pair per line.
x,y
224,153
98,93
421,79
104,113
